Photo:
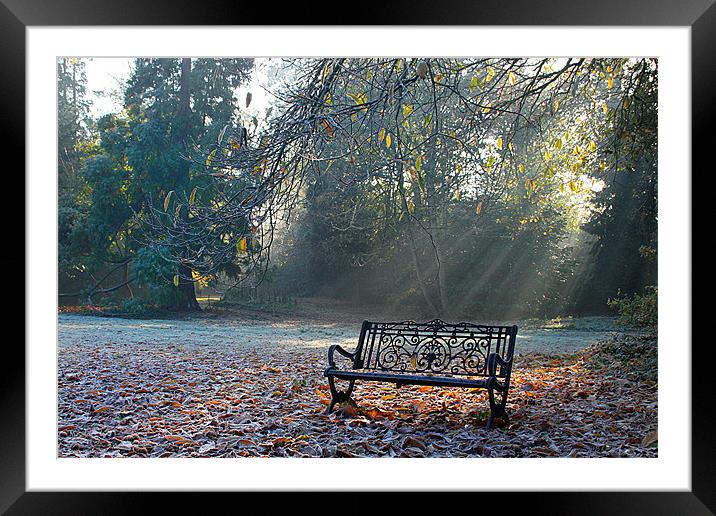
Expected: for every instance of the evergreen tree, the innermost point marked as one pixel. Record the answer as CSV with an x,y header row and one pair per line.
x,y
72,146
145,163
625,220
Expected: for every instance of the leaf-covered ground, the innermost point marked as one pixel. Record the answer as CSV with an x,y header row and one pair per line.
x,y
232,388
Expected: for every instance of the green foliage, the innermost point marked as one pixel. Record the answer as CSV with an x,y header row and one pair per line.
x,y
133,159
134,306
638,310
472,218
155,273
624,220
508,260
74,241
73,146
633,357
468,205
73,119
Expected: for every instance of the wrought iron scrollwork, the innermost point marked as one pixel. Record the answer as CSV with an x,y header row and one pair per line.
x,y
432,347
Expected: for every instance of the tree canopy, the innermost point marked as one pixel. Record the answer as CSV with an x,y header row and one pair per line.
x,y
423,180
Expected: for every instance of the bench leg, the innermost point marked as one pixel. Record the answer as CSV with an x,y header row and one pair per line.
x,y
338,396
496,410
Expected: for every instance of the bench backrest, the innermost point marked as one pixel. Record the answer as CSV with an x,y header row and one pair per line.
x,y
433,347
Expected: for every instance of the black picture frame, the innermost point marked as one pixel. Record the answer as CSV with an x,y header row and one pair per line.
x,y
17,15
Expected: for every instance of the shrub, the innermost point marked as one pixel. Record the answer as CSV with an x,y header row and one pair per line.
x,y
634,357
133,305
639,310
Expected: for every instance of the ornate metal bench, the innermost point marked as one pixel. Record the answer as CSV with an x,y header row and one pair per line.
x,y
433,353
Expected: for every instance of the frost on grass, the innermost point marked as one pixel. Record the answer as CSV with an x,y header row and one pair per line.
x,y
231,388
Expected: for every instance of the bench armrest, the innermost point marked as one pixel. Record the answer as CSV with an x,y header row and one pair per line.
x,y
341,351
494,360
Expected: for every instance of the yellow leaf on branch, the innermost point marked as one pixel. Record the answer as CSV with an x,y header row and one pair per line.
x,y
166,199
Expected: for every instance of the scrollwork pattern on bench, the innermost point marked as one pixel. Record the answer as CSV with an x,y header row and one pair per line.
x,y
431,353
432,347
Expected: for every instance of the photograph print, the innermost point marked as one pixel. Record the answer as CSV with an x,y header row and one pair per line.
x,y
357,257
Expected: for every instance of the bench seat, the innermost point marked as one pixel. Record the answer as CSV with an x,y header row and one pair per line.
x,y
408,379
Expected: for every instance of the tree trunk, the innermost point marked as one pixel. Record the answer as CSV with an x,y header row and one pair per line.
x,y
435,211
186,294
126,278
421,280
442,282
